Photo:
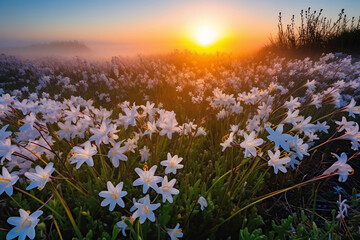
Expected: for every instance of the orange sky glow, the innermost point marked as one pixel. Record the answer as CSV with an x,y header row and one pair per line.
x,y
140,27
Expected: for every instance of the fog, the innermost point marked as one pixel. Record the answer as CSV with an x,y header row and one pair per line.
x,y
69,49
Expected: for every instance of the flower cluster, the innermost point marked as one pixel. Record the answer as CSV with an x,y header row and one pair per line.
x,y
136,156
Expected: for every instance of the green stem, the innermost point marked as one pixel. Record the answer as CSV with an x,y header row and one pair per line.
x,y
13,199
103,163
57,228
243,180
57,172
266,196
41,202
327,115
189,146
314,204
217,180
317,146
68,212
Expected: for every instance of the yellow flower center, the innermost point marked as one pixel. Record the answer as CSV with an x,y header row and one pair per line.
x,y
172,164
114,196
165,187
147,179
248,144
145,209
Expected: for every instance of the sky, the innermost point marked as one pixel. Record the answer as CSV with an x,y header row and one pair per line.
x,y
145,26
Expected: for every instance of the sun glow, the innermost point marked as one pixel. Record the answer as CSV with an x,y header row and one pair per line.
x,y
206,35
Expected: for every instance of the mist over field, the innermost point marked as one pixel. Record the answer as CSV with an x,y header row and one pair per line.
x,y
71,49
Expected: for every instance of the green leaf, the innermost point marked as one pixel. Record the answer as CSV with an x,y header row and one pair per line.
x,y
89,235
304,218
115,232
255,235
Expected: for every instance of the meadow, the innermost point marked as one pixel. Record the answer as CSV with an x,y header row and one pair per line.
x,y
182,145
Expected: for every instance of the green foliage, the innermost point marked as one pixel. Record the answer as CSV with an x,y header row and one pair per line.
x,y
315,33
255,235
294,227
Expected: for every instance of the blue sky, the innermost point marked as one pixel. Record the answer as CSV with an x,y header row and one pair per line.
x,y
146,22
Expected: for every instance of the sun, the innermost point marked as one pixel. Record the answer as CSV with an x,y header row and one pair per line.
x,y
206,35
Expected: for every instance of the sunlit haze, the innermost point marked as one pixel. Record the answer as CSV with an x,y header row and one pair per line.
x,y
206,35
150,27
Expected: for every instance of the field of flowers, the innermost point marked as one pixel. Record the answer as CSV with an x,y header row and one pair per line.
x,y
180,146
